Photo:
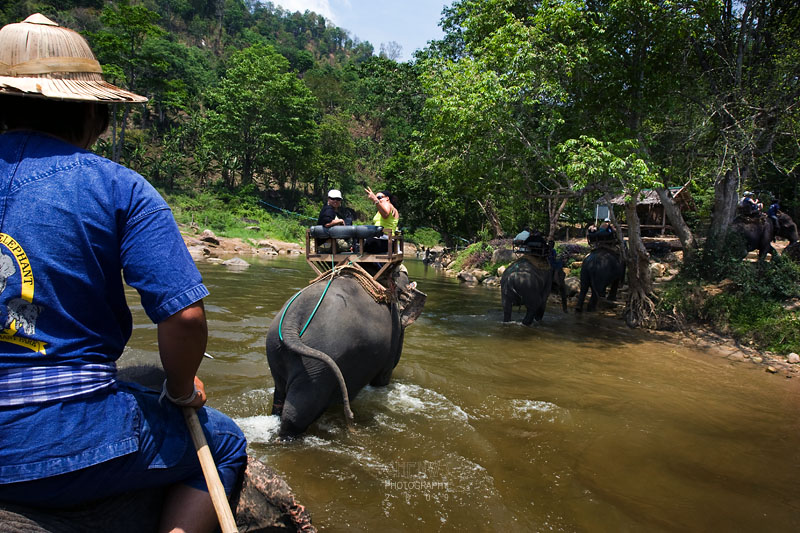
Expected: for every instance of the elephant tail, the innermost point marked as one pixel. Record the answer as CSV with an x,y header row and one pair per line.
x,y
292,341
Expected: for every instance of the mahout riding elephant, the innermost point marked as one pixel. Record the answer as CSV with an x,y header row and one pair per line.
x,y
759,232
353,339
603,268
528,281
263,500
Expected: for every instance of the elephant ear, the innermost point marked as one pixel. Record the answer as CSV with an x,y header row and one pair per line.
x,y
410,303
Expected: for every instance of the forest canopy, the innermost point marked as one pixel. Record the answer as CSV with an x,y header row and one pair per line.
x,y
524,114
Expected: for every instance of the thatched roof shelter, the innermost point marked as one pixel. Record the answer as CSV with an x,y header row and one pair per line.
x,y
649,208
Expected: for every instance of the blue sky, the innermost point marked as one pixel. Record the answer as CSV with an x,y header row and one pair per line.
x,y
410,23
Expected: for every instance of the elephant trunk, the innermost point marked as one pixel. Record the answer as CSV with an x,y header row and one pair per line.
x,y
293,342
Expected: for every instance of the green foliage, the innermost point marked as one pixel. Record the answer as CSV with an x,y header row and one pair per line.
x,y
711,265
230,215
261,120
475,255
426,237
747,303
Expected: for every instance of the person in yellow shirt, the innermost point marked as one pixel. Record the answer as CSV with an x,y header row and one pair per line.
x,y
387,216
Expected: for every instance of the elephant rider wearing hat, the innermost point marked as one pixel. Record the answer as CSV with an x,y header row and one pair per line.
x,y
750,206
72,224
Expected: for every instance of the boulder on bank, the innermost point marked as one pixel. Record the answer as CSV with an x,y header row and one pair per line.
x,y
503,255
236,263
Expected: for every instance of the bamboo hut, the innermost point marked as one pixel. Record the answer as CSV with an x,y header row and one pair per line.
x,y
652,218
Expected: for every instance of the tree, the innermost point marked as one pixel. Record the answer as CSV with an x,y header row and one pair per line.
x,y
391,50
747,62
261,120
118,47
335,161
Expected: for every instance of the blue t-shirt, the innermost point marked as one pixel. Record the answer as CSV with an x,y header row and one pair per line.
x,y
72,224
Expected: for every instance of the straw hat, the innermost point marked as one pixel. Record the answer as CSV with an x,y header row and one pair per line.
x,y
38,58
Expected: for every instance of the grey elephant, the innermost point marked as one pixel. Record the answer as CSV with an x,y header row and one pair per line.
x,y
758,232
602,269
528,281
352,340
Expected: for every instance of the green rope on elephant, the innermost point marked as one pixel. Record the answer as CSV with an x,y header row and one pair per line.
x,y
280,325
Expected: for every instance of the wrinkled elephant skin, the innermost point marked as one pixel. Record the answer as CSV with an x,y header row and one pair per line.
x,y
758,233
352,340
602,269
524,283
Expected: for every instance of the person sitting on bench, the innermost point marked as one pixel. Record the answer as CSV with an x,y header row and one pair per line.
x,y
387,216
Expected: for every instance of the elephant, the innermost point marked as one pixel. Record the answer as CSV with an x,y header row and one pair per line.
x,y
529,281
331,340
759,232
603,268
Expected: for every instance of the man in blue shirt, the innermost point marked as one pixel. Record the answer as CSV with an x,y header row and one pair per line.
x,y
773,211
72,224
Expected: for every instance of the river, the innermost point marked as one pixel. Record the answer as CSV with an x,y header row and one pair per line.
x,y
574,424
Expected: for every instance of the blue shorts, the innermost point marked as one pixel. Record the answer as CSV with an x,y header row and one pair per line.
x,y
166,456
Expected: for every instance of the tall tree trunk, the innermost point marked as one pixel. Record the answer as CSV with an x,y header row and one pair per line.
x,y
488,209
675,217
725,201
113,130
126,110
555,206
640,308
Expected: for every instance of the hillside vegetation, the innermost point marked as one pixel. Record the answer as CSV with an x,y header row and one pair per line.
x,y
524,114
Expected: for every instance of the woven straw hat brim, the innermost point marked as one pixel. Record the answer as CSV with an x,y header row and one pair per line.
x,y
40,59
75,90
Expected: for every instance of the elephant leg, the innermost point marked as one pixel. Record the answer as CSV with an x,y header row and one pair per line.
x,y
530,314
278,398
596,295
382,379
581,298
612,294
507,305
305,402
539,314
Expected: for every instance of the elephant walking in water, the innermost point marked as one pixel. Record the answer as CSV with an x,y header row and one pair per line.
x,y
529,281
603,268
353,338
759,232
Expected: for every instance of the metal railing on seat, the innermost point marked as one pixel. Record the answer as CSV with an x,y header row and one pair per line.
x,y
327,248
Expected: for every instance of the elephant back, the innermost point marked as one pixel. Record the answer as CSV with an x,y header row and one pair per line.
x,y
527,264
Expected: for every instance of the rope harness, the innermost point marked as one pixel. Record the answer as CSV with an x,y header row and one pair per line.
x,y
537,262
379,293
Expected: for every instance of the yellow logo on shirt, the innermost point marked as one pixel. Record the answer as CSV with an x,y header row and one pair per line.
x,y
21,313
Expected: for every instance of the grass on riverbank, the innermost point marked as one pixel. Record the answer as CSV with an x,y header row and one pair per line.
x,y
754,302
237,216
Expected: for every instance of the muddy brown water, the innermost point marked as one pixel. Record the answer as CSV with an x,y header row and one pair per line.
x,y
574,424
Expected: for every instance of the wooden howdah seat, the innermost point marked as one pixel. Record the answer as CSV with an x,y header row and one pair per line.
x,y
323,250
527,243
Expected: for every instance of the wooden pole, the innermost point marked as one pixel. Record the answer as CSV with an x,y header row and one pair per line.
x,y
215,488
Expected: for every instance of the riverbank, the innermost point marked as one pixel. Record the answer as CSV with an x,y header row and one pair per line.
x,y
206,246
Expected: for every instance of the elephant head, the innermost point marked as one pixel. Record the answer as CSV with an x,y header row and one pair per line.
x,y
787,228
410,300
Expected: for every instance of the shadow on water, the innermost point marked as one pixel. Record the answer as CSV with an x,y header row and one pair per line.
x,y
574,424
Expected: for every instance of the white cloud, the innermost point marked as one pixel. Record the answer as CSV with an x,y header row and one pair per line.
x,y
321,7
